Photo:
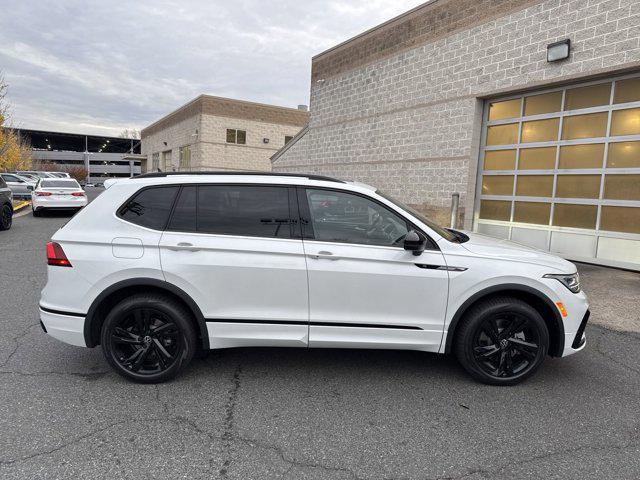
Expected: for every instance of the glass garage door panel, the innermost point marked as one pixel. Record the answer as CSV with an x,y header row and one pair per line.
x,y
562,166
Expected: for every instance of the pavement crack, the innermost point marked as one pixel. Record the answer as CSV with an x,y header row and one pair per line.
x,y
86,376
176,420
491,471
17,339
598,349
228,426
293,462
64,445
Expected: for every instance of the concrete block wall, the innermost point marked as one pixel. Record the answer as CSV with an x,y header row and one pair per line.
x,y
410,122
254,155
178,135
206,134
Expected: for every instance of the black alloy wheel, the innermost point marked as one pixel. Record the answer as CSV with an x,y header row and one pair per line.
x,y
6,217
502,341
148,339
506,345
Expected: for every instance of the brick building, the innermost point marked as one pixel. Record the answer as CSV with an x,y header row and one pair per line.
x,y
460,96
213,133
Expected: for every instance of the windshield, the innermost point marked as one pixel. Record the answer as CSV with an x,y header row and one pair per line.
x,y
59,184
427,221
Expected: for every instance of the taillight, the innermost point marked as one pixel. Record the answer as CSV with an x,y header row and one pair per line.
x,y
43,194
78,194
56,256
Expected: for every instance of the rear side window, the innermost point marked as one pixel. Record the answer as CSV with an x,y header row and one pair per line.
x,y
257,211
184,214
150,208
245,210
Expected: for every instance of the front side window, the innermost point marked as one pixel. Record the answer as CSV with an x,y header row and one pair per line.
x,y
257,211
236,136
150,208
348,218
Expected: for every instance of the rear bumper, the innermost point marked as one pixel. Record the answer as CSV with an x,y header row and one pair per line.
x,y
44,202
64,327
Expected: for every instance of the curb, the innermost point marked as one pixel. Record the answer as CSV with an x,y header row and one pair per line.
x,y
20,206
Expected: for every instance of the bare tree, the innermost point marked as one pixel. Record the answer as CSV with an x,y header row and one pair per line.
x,y
133,133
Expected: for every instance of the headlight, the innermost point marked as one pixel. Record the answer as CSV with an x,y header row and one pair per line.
x,y
571,281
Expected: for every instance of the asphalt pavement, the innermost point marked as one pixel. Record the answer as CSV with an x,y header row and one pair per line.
x,y
311,414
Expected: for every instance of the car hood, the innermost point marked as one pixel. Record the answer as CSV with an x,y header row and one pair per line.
x,y
486,246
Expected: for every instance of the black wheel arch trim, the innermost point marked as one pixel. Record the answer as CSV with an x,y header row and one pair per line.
x,y
554,351
146,282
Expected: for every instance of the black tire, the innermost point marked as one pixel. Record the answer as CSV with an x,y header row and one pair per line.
x,y
148,338
501,341
6,216
36,213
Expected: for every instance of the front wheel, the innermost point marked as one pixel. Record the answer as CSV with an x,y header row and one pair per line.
x,y
6,217
502,341
148,338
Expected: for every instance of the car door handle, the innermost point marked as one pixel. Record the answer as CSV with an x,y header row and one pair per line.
x,y
183,246
324,255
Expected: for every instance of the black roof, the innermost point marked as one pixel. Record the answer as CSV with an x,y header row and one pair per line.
x,y
269,174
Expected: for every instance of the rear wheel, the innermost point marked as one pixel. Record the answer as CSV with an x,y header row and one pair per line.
x,y
148,338
6,217
36,213
502,341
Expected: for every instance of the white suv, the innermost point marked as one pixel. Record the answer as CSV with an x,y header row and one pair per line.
x,y
163,265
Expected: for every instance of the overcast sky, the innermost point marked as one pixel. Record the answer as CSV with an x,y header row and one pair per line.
x,y
98,67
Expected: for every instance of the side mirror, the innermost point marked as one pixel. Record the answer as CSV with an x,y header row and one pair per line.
x,y
415,242
30,188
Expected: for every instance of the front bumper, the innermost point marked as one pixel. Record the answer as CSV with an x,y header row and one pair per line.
x,y
576,341
64,327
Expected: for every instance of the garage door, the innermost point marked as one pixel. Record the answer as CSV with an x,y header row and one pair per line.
x,y
560,171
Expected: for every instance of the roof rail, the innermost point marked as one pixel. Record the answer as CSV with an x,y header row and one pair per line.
x,y
269,174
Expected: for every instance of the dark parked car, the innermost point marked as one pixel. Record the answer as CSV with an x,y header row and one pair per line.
x,y
6,207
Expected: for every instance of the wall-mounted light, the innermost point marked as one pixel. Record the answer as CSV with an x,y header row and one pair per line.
x,y
559,50
165,143
265,140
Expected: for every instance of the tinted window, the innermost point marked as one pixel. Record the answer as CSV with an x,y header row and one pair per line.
x,y
348,218
59,184
184,214
150,208
244,210
10,178
2,184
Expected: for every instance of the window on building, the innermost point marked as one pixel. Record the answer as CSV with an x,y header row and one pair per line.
x,y
287,139
185,157
166,161
236,136
155,162
150,208
244,210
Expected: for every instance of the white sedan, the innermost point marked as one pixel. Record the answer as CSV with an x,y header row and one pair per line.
x,y
57,194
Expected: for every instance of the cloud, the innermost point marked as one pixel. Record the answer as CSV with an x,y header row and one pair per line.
x,y
100,67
